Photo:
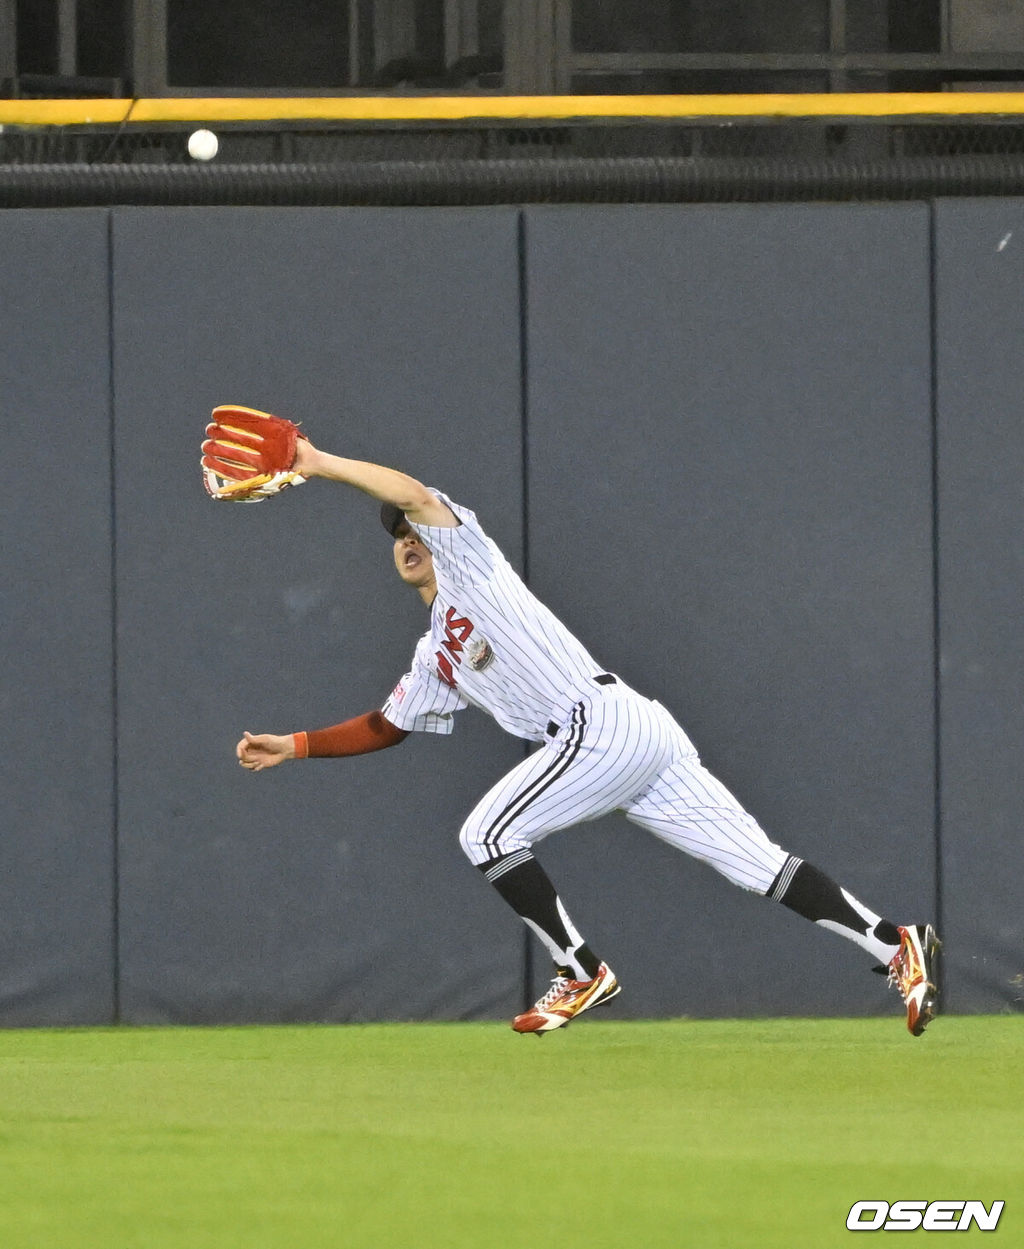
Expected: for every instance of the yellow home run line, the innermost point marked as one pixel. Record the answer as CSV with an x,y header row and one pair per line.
x,y
508,108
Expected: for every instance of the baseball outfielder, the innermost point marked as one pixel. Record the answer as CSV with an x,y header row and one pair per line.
x,y
603,747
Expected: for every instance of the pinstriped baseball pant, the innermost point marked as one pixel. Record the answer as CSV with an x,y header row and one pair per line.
x,y
619,751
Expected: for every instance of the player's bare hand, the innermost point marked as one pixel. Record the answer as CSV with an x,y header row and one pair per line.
x,y
257,751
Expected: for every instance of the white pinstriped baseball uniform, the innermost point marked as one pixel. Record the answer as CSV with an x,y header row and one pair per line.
x,y
493,645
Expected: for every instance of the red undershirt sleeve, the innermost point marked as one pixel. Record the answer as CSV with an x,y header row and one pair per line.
x,y
359,736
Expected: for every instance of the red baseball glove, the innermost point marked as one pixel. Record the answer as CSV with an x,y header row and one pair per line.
x,y
248,455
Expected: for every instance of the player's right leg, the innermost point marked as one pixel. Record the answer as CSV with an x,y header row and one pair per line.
x,y
608,750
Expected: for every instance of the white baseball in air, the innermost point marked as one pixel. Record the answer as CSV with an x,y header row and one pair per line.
x,y
202,145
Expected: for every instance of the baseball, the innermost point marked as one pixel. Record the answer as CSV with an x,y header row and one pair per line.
x,y
202,145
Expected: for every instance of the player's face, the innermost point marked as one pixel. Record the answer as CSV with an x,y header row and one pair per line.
x,y
414,562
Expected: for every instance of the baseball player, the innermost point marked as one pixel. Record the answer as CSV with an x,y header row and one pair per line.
x,y
602,746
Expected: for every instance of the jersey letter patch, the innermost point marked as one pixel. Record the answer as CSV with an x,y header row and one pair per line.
x,y
457,631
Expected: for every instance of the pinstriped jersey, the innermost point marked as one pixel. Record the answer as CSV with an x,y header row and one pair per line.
x,y
491,643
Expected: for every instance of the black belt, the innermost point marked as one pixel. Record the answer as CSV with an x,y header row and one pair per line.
x,y
602,678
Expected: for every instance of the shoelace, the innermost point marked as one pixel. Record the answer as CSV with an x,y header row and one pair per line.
x,y
558,987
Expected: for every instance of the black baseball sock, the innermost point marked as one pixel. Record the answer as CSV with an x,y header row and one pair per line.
x,y
815,896
525,886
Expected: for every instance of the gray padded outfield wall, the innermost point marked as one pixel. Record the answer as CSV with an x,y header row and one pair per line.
x,y
56,768
335,889
741,398
714,454
980,306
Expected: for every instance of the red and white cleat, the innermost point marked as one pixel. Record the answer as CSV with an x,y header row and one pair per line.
x,y
566,999
914,972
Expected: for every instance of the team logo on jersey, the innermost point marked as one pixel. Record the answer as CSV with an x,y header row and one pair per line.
x,y
398,693
457,632
480,655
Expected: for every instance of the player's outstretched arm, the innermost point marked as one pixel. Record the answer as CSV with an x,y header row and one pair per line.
x,y
388,485
362,735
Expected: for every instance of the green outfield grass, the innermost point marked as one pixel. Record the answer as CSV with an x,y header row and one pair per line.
x,y
758,1133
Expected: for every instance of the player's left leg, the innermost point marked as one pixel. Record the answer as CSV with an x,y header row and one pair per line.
x,y
691,809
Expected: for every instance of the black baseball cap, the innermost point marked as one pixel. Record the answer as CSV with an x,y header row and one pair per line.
x,y
391,517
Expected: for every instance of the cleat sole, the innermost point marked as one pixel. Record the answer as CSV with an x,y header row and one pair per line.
x,y
932,947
